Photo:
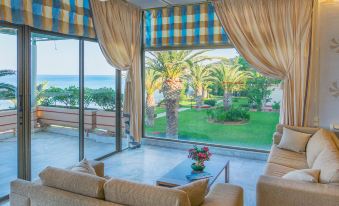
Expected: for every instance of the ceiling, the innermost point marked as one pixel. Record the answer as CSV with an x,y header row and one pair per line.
x,y
146,4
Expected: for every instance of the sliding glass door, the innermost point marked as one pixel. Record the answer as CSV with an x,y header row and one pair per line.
x,y
8,108
67,107
55,101
99,103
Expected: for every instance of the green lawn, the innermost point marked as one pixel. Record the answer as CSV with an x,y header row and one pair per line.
x,y
193,125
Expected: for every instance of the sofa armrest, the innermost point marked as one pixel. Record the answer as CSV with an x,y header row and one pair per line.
x,y
99,167
225,193
275,191
277,137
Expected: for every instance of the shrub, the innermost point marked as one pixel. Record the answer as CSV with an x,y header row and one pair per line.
x,y
276,105
104,98
211,102
231,115
245,105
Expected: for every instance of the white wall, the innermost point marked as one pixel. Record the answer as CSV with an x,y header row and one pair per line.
x,y
329,63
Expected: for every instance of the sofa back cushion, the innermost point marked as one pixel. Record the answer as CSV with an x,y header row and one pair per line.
x,y
136,194
317,143
328,163
307,130
76,182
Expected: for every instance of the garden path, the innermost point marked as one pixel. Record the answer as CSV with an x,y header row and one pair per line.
x,y
164,113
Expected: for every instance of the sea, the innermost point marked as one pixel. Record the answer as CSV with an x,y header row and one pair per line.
x,y
63,81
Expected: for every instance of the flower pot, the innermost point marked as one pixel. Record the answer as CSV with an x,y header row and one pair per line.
x,y
197,168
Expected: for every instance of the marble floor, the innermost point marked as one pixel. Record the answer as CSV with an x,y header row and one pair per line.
x,y
148,163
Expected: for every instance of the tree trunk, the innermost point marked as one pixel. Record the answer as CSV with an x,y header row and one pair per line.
x,y
205,93
172,118
226,100
150,107
171,90
198,98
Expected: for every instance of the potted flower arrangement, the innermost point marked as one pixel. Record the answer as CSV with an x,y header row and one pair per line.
x,y
200,155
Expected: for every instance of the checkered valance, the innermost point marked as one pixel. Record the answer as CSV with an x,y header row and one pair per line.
x,y
63,16
180,26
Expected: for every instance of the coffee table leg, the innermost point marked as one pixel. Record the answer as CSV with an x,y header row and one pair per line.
x,y
227,172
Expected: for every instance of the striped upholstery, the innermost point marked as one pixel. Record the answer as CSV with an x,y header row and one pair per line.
x,y
180,26
71,17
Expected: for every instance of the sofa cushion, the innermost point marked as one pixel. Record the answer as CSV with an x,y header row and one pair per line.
x,y
76,182
85,167
319,141
225,194
196,191
328,163
293,140
136,194
287,158
277,170
305,175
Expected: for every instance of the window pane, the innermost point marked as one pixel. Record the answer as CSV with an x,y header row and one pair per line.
x,y
8,112
55,102
219,100
125,123
99,103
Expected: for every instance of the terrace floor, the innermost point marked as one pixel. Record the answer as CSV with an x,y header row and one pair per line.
x,y
53,147
145,164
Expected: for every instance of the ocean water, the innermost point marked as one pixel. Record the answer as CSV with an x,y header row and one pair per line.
x,y
63,81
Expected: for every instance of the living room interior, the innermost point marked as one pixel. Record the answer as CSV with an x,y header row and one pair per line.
x,y
169,103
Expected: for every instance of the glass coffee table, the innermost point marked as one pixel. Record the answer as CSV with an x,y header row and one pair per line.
x,y
177,175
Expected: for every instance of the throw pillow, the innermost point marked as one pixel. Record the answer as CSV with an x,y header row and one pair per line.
x,y
306,175
85,167
196,191
328,163
293,140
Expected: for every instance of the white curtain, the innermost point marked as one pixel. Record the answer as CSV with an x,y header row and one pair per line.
x,y
117,25
278,38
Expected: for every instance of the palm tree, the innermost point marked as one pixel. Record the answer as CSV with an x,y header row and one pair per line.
x,y
7,91
152,84
230,78
199,78
172,67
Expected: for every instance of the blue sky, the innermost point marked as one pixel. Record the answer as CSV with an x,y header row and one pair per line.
x,y
60,57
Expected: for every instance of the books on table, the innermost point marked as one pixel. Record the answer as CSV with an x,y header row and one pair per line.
x,y
198,175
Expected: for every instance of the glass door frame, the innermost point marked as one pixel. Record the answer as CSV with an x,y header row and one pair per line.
x,y
24,99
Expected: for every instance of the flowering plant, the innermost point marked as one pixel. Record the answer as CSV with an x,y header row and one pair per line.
x,y
200,155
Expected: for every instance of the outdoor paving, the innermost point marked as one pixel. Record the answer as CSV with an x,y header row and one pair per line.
x,y
163,114
149,163
49,149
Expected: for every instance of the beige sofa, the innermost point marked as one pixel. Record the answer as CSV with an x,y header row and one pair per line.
x,y
273,190
90,190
